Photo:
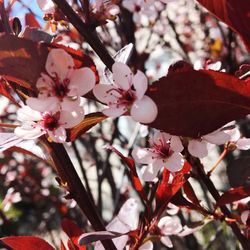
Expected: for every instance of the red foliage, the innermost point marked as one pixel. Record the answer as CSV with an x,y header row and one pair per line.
x,y
235,13
31,21
26,243
194,103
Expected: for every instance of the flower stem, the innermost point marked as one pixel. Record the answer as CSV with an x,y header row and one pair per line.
x,y
222,156
86,31
77,191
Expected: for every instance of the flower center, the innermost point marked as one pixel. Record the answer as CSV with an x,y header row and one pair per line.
x,y
163,149
60,88
50,122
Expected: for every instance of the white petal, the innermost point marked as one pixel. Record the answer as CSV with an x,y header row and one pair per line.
x,y
81,82
59,63
143,155
28,132
244,216
217,137
175,162
103,94
144,110
122,75
176,144
114,112
25,114
47,6
58,135
197,148
149,173
165,240
243,144
234,134
148,245
42,105
140,83
170,225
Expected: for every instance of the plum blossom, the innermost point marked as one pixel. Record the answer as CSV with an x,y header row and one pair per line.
x,y
108,8
198,147
164,151
126,220
52,122
127,95
47,6
62,82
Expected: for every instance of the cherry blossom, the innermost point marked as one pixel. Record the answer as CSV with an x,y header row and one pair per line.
x,y
126,95
62,81
52,122
108,8
126,220
198,147
164,152
47,6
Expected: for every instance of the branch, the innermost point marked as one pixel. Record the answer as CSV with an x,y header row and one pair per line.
x,y
87,32
4,18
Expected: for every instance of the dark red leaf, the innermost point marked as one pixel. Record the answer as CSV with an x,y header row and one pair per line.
x,y
5,90
233,194
62,246
31,21
133,174
189,192
96,236
87,123
26,243
73,232
235,13
194,103
22,60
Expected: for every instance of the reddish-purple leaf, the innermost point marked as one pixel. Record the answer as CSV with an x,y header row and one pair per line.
x,y
235,13
31,21
88,238
6,91
26,243
189,192
87,123
133,174
233,194
194,103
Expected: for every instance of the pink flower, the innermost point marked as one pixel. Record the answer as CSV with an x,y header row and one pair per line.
x,y
164,152
52,122
198,147
126,95
126,220
47,6
62,82
108,8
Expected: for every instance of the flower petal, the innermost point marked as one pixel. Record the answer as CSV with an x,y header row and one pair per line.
x,y
71,104
148,245
28,131
197,148
71,119
217,137
114,112
47,6
59,63
42,105
175,162
176,144
122,75
58,135
243,144
140,83
103,93
165,240
25,114
150,172
143,155
144,110
81,82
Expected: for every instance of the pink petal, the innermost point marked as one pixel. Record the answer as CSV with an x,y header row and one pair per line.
x,y
150,172
197,148
42,105
165,240
122,75
143,155
243,144
70,104
59,63
244,216
103,94
58,135
140,83
81,82
158,164
176,144
71,119
175,162
169,225
144,110
114,112
148,245
44,84
160,137
217,137
234,134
